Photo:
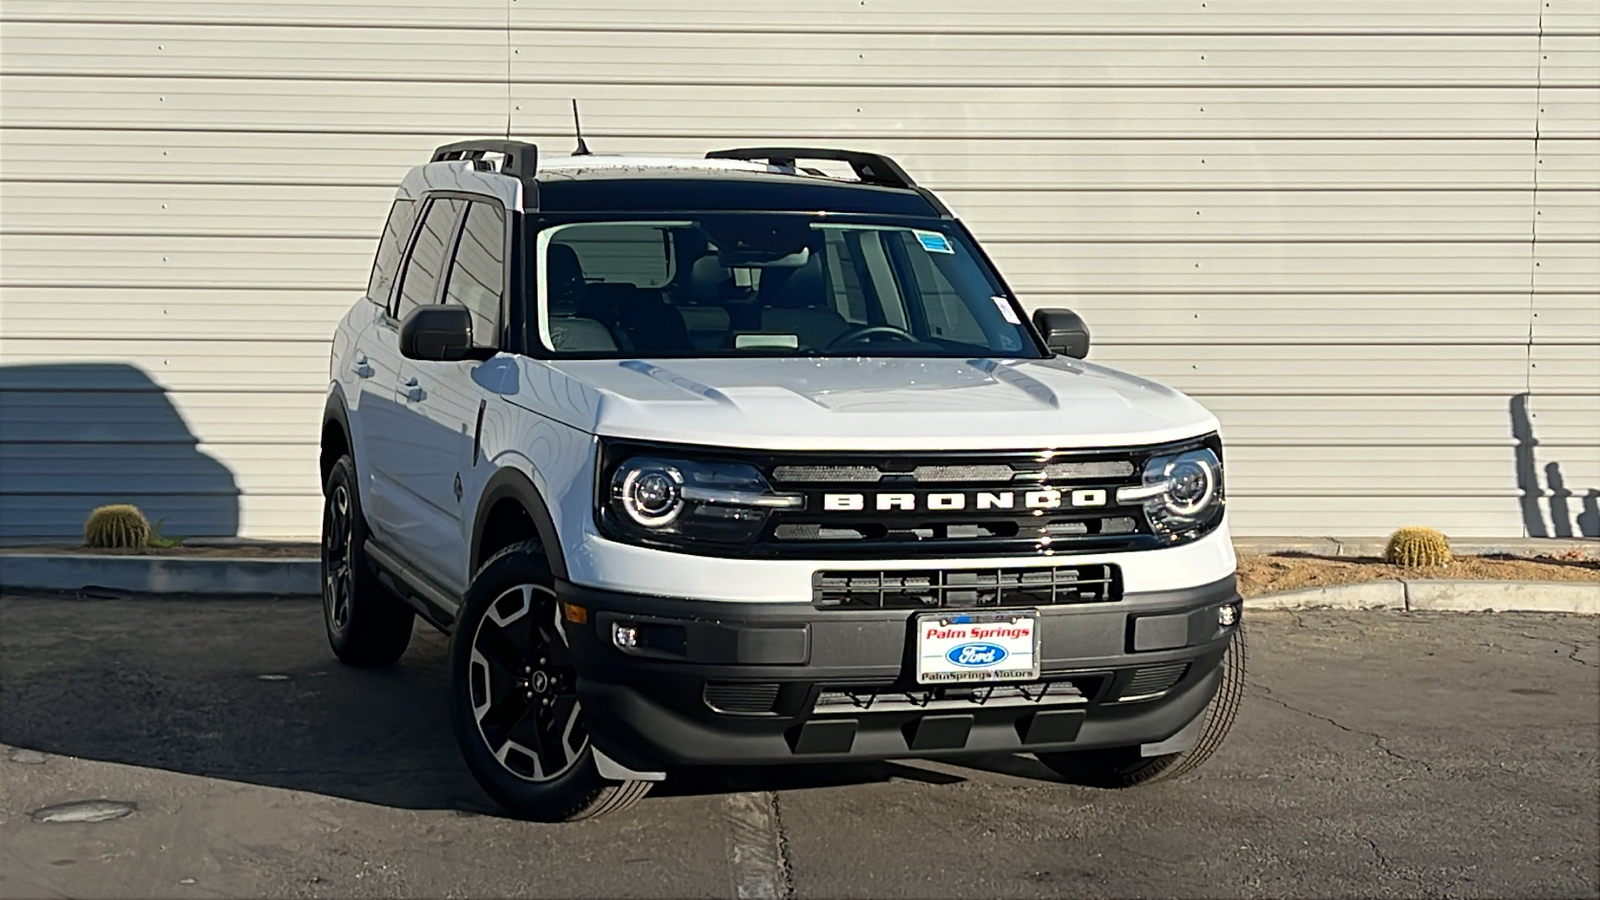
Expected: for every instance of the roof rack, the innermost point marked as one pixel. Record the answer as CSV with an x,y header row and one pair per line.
x,y
871,168
522,159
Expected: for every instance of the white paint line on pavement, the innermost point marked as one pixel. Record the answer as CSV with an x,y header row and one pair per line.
x,y
755,847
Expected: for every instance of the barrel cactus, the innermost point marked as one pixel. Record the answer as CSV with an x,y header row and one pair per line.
x,y
1417,547
116,526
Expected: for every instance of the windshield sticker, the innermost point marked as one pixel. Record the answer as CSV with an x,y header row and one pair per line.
x,y
766,341
934,242
1006,311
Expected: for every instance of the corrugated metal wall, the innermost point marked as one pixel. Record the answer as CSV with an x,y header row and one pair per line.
x,y
1365,232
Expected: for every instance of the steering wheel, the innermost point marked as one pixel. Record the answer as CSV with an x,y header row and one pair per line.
x,y
856,334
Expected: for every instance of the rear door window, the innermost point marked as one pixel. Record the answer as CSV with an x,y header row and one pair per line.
x,y
419,282
477,273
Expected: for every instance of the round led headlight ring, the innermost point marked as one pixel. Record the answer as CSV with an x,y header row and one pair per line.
x,y
1192,485
653,496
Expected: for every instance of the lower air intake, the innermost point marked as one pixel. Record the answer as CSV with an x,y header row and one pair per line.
x,y
965,588
741,698
1153,681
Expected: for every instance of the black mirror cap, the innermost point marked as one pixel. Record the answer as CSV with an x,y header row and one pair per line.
x,y
440,333
1063,332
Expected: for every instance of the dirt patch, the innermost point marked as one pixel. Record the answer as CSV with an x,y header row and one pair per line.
x,y
275,550
1271,573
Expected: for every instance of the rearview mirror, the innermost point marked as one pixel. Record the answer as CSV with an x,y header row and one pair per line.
x,y
440,333
1063,332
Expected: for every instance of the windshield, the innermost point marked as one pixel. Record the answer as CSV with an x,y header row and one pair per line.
x,y
771,284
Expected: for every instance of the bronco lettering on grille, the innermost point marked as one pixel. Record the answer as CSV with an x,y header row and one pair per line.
x,y
955,501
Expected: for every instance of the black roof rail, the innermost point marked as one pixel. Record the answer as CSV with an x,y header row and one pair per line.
x,y
522,159
871,168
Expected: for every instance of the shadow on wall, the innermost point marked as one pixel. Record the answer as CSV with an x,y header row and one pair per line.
x,y
1566,508
74,436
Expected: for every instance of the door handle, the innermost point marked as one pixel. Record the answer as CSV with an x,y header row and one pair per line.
x,y
361,367
414,391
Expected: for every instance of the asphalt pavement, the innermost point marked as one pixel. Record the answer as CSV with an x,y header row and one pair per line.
x,y
228,754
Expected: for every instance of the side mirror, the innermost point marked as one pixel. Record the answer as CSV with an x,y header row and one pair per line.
x,y
440,333
1063,332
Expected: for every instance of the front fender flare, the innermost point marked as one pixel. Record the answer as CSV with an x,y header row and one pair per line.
x,y
515,485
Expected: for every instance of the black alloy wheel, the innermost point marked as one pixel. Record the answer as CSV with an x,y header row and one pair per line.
x,y
513,697
524,688
367,625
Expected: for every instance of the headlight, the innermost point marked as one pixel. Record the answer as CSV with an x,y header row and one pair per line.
x,y
1181,493
652,495
677,500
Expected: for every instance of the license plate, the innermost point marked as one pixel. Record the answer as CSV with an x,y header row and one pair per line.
x,y
977,647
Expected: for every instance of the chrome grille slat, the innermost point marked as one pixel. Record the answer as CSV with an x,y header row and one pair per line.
x,y
998,473
827,474
1092,469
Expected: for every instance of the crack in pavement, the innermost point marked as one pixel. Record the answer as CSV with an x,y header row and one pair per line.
x,y
1579,648
1377,739
758,849
1376,850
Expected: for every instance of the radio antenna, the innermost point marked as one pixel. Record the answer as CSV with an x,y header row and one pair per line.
x,y
577,127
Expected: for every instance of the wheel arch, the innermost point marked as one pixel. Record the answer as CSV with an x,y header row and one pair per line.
x,y
335,438
509,495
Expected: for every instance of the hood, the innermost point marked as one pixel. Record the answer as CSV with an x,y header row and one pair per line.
x,y
861,403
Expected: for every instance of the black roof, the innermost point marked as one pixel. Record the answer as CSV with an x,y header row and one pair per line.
x,y
730,191
883,188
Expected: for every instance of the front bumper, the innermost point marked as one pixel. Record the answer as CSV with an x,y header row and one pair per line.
x,y
762,683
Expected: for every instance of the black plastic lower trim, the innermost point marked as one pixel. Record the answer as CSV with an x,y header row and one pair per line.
x,y
647,708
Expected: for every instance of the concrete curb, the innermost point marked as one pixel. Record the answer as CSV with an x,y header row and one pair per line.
x,y
224,576
1443,595
236,576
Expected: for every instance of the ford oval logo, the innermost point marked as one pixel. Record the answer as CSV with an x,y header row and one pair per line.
x,y
972,656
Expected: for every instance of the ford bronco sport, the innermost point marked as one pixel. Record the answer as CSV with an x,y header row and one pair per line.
x,y
738,460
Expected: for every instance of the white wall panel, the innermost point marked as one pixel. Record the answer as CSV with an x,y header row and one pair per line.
x,y
146,261
1320,218
1268,215
631,57
170,313
224,157
1280,267
191,51
960,16
246,210
1427,319
1569,164
254,366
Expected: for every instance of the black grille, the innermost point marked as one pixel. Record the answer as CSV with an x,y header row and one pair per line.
x,y
965,588
944,505
957,504
741,698
1153,680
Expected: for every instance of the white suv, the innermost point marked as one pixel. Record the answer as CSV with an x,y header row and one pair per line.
x,y
731,461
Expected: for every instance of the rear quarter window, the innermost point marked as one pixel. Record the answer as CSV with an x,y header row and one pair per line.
x,y
402,215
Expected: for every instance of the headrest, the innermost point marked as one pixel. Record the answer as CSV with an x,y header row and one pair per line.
x,y
564,273
706,278
792,288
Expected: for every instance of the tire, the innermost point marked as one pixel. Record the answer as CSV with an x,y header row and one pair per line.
x,y
513,701
1123,767
367,625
